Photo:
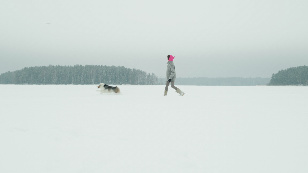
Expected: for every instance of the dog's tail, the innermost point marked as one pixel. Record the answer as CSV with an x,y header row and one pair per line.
x,y
117,89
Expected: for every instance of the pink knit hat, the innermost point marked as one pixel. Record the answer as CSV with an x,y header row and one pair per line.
x,y
171,58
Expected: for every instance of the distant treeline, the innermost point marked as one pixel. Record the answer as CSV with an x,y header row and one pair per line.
x,y
291,76
78,74
230,81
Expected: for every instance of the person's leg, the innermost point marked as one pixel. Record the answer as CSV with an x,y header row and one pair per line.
x,y
167,85
166,88
177,89
172,85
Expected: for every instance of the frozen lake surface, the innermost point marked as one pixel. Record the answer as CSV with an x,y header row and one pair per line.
x,y
76,129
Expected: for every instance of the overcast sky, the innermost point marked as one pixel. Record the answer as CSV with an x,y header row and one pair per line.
x,y
221,38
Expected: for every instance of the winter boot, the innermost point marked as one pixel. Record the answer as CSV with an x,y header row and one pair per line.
x,y
165,93
180,92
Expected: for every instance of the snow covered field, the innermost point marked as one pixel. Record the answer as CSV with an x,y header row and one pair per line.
x,y
76,129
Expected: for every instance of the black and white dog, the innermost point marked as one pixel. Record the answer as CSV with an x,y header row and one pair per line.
x,y
107,88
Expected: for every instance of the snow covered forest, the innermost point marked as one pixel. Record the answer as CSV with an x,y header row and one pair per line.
x,y
291,76
78,74
226,81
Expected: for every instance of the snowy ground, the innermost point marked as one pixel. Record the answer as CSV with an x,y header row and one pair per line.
x,y
76,129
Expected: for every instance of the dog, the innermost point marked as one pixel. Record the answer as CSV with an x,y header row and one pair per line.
x,y
107,88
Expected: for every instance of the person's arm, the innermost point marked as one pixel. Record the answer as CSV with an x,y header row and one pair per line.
x,y
172,70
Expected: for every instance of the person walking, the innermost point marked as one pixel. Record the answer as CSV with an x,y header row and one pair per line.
x,y
171,75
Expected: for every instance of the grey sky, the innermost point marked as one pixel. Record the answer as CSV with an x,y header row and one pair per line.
x,y
223,38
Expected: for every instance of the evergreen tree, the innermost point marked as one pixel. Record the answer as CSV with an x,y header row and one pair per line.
x,y
78,74
291,76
